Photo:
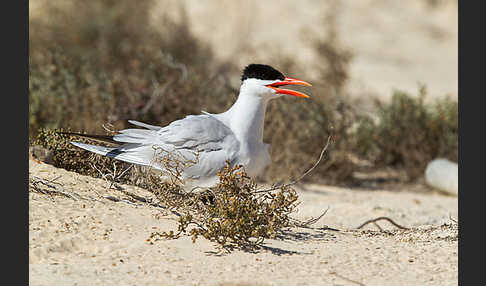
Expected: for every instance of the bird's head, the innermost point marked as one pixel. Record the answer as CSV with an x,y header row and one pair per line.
x,y
265,81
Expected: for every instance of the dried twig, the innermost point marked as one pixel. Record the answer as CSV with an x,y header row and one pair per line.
x,y
381,218
114,176
119,176
109,128
345,278
454,220
52,180
307,224
314,220
303,175
116,200
378,226
52,189
314,166
99,171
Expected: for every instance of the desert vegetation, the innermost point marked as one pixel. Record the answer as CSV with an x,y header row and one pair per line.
x,y
89,72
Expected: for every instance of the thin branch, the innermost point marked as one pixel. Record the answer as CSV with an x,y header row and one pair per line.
x,y
378,226
52,180
119,176
315,165
454,220
311,221
345,278
303,175
382,218
109,128
116,200
99,171
52,188
307,224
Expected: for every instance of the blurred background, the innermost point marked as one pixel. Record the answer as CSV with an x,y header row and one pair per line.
x,y
384,76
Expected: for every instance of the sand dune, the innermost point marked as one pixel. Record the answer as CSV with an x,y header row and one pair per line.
x,y
83,238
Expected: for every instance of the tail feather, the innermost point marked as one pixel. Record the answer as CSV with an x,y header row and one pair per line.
x,y
125,136
102,138
140,136
134,145
118,153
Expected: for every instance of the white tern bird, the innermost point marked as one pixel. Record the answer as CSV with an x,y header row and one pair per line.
x,y
208,139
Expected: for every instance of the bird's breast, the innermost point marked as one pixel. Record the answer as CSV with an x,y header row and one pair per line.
x,y
255,158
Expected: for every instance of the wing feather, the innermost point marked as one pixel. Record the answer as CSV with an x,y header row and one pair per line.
x,y
204,135
144,125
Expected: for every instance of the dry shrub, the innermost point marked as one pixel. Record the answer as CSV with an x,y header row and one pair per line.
x,y
233,214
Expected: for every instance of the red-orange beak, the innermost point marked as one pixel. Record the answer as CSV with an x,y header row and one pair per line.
x,y
289,81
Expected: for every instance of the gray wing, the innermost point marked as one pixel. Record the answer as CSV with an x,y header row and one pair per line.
x,y
200,138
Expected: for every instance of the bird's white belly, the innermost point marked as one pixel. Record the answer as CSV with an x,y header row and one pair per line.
x,y
255,161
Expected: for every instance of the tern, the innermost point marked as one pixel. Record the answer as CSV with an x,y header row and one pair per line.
x,y
207,140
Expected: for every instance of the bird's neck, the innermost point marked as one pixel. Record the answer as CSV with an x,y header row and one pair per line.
x,y
247,116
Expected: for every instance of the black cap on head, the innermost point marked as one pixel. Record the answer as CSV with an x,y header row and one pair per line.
x,y
259,71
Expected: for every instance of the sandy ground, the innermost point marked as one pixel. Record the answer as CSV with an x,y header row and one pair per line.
x,y
83,238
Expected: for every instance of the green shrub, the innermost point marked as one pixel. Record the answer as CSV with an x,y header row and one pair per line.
x,y
408,133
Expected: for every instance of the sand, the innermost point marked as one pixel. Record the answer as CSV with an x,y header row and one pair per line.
x,y
84,238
